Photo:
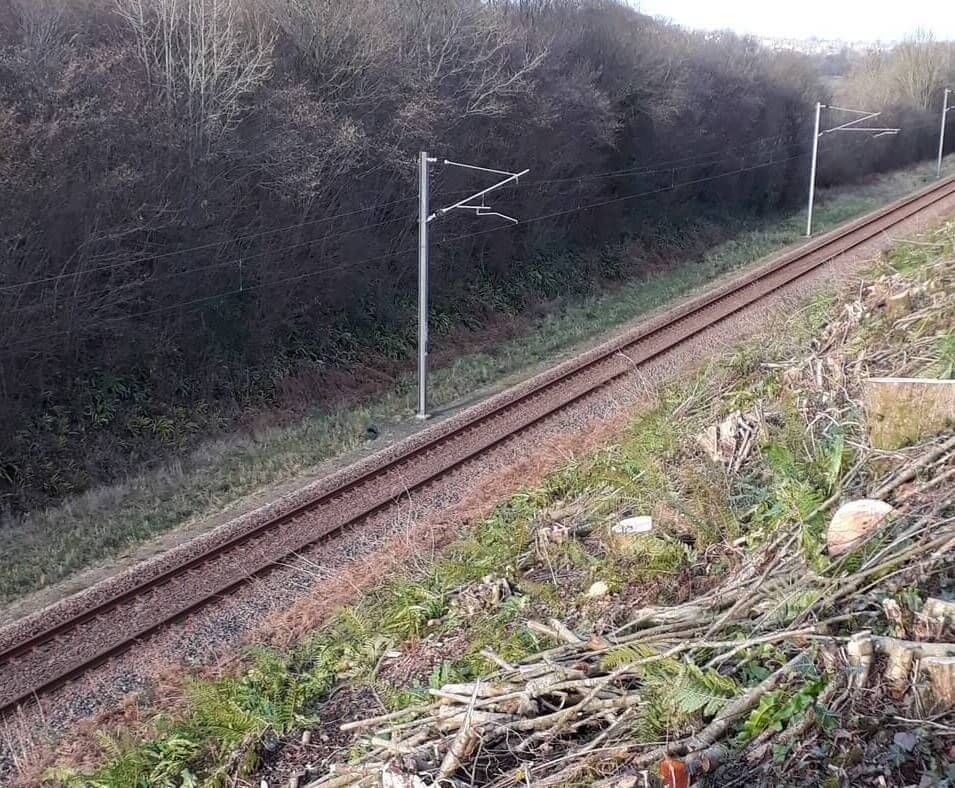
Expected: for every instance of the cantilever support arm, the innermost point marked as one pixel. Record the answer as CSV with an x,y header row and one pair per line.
x,y
850,125
863,117
512,176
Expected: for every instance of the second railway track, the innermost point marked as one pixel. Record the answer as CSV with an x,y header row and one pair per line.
x,y
59,643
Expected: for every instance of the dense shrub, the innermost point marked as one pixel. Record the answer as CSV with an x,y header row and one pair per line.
x,y
198,196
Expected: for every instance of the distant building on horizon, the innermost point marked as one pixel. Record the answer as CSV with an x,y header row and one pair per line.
x,y
823,46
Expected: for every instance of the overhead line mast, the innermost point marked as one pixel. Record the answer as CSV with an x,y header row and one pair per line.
x,y
941,135
424,218
846,127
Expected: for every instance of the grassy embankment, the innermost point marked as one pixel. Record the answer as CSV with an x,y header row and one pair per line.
x,y
447,616
41,548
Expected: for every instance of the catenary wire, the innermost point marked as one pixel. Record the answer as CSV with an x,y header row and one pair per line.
x,y
251,256
444,241
150,258
232,261
192,303
650,169
659,190
238,260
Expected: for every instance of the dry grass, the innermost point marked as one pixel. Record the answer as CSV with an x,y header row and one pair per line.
x,y
421,539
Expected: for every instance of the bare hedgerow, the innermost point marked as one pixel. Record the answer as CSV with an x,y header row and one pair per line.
x,y
912,74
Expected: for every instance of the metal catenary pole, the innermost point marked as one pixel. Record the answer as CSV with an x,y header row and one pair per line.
x,y
424,218
850,125
941,134
812,171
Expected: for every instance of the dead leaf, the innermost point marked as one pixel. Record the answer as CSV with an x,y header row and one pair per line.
x,y
906,740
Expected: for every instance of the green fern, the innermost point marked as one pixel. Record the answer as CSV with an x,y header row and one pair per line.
x,y
359,659
943,365
833,458
790,602
677,694
352,622
127,764
413,605
653,723
704,691
66,777
445,673
625,655
171,755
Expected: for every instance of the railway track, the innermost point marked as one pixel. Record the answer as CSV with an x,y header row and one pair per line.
x,y
58,644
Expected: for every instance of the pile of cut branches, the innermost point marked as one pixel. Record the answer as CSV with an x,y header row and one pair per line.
x,y
575,709
790,649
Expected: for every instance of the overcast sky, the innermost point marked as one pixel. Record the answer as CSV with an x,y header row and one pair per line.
x,y
878,20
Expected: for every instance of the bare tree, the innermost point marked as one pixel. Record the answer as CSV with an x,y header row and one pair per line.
x,y
40,26
919,70
343,44
912,74
465,53
202,57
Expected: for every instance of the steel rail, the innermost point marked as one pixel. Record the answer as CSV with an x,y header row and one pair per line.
x,y
391,475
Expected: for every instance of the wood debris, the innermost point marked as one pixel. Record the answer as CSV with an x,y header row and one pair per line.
x,y
568,713
550,712
852,522
481,597
730,442
901,411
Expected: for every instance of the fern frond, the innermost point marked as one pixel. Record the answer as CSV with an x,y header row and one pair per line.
x,y
110,745
704,691
652,723
65,776
691,699
625,655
